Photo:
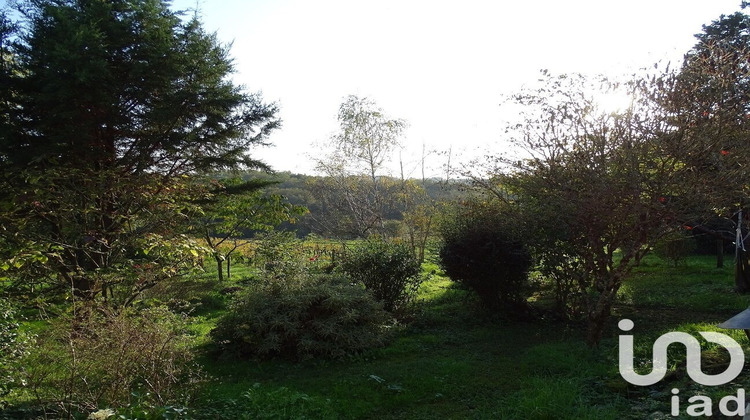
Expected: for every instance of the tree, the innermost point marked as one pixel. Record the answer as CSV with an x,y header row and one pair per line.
x,y
356,189
417,216
367,137
127,85
591,183
708,104
233,212
110,107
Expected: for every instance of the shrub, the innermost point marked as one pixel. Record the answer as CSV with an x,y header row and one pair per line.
x,y
388,270
113,360
481,250
326,316
279,259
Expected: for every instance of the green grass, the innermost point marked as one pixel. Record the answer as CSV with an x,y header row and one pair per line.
x,y
695,286
451,361
447,372
454,362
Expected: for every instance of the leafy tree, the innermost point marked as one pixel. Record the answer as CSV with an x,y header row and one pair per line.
x,y
707,101
348,206
231,216
355,188
127,85
593,181
418,216
110,107
71,238
367,137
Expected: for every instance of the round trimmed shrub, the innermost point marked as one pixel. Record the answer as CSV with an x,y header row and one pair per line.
x,y
390,271
481,250
325,317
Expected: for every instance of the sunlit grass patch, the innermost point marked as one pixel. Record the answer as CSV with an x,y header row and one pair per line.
x,y
556,398
698,286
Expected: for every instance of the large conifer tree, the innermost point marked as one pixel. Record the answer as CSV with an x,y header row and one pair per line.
x,y
106,106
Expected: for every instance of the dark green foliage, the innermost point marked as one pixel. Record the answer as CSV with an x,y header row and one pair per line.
x,y
107,107
390,271
713,90
235,211
126,84
482,251
708,107
323,317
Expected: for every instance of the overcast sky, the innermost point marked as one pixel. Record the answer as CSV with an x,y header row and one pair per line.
x,y
443,66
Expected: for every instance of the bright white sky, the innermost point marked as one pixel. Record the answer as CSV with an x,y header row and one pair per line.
x,y
443,66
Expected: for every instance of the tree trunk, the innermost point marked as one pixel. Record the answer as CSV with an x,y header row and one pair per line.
x,y
412,239
742,272
595,329
220,267
600,313
425,236
741,268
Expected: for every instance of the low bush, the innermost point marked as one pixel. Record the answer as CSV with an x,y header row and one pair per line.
x,y
482,251
101,359
390,271
325,316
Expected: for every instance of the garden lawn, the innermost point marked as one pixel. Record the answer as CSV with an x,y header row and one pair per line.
x,y
452,361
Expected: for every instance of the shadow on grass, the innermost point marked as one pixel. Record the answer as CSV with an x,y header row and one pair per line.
x,y
451,362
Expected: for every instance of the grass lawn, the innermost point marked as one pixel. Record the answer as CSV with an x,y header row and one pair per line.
x,y
448,363
454,362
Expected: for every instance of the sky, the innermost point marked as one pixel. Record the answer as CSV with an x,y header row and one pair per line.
x,y
443,66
